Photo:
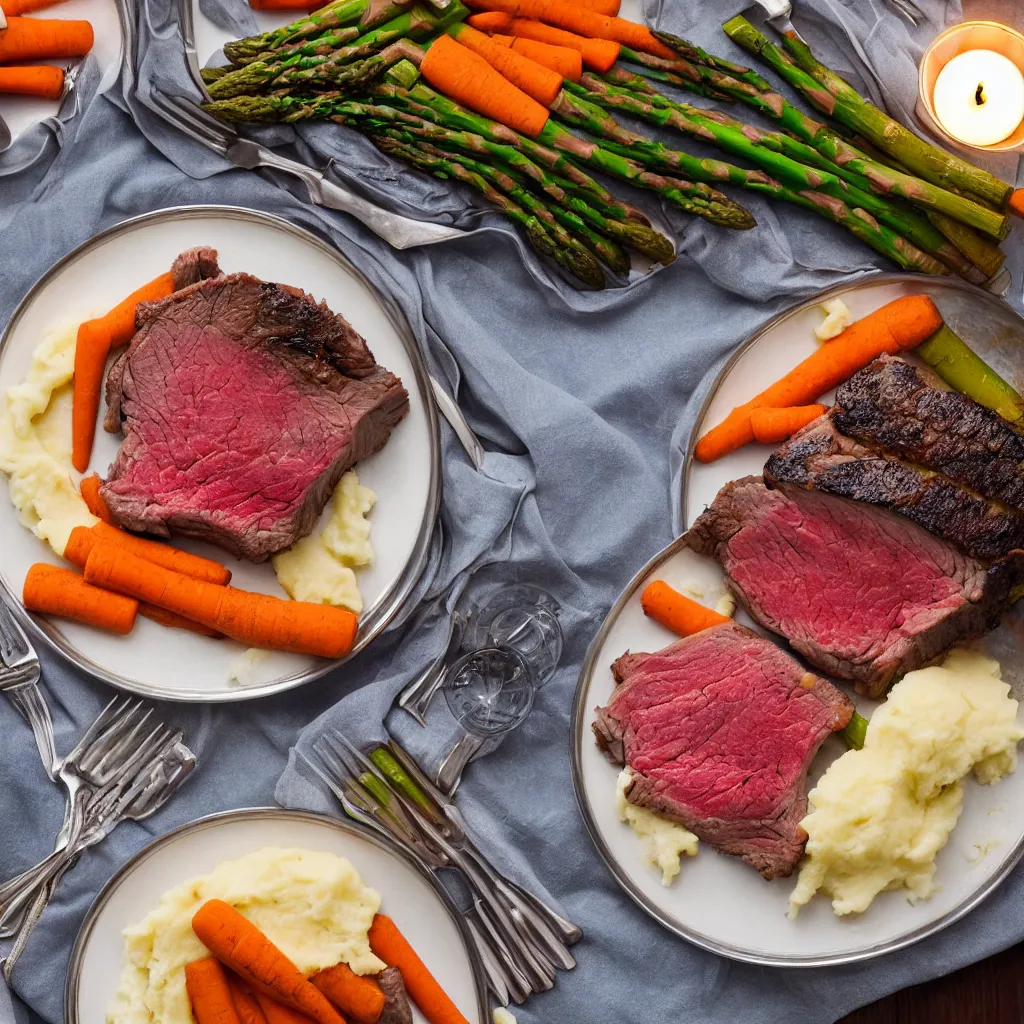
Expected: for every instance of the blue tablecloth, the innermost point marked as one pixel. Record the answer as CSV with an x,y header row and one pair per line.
x,y
584,402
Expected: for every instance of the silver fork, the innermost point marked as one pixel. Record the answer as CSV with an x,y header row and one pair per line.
x,y
19,680
398,231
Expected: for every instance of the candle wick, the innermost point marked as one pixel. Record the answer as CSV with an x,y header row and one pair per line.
x,y
979,95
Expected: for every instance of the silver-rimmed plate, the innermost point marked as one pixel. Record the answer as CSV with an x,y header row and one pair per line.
x,y
717,902
413,898
405,474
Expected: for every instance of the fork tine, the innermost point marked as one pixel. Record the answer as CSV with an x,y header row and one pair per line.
x,y
11,638
197,120
116,741
113,721
185,124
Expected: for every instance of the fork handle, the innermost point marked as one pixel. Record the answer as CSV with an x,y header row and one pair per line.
x,y
27,698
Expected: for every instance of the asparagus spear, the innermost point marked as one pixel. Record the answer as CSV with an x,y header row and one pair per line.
x,y
854,734
622,142
536,233
520,167
691,52
361,14
838,99
775,153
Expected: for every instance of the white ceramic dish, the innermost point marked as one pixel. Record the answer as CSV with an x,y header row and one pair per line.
x,y
405,475
22,111
718,902
414,900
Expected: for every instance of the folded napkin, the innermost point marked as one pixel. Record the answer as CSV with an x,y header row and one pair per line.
x,y
584,403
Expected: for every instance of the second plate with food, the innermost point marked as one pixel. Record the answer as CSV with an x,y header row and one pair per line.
x,y
404,475
252,841
717,901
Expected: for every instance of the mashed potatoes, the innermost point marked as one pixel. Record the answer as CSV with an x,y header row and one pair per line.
x,y
35,443
313,906
879,816
666,840
319,568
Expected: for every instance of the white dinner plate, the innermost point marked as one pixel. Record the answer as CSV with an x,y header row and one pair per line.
x,y
718,902
405,475
22,111
413,899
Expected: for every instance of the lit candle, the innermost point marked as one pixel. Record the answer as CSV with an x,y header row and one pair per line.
x,y
979,97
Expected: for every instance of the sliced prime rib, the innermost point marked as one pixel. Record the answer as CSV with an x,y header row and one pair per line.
x,y
861,593
718,731
903,410
242,403
820,458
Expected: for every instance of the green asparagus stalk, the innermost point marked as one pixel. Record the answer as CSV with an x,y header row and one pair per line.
x,y
209,75
855,732
961,368
776,153
693,53
655,155
361,15
839,100
586,269
694,77
524,170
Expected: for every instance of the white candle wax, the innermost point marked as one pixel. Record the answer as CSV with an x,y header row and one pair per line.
x,y
979,97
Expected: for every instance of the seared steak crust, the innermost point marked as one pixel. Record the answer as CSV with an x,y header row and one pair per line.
x,y
242,404
718,730
820,458
897,407
861,593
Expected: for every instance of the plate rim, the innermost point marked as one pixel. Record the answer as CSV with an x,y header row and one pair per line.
x,y
73,976
391,602
577,720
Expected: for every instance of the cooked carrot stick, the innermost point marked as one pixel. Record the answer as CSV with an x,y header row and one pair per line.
x,y
561,59
575,18
608,7
246,1006
44,39
537,81
172,621
83,540
597,54
278,1013
54,591
14,7
676,612
467,78
96,340
490,21
257,620
240,945
45,82
1015,202
896,327
90,489
392,947
359,998
206,982
771,426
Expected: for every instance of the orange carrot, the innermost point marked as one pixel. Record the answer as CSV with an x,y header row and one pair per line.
x,y
393,948
246,1006
90,488
15,7
43,39
537,81
467,78
46,82
278,1013
896,327
576,18
83,540
490,21
567,63
240,945
359,998
55,591
770,426
676,612
608,7
257,620
597,54
96,340
1015,202
206,982
172,621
